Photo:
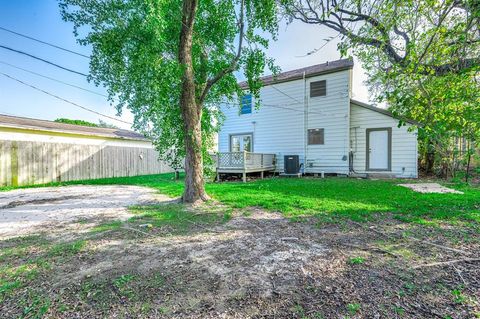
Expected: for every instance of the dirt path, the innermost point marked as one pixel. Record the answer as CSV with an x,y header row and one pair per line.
x,y
26,211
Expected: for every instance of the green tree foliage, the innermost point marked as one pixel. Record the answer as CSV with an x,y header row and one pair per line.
x,y
171,61
75,122
85,123
422,58
106,125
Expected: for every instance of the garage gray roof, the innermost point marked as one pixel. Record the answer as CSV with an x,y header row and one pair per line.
x,y
16,122
313,70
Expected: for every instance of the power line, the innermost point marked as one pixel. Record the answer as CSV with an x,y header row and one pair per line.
x,y
44,42
327,41
281,106
52,79
64,100
43,60
280,91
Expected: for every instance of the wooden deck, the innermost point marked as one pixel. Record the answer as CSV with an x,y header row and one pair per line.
x,y
244,162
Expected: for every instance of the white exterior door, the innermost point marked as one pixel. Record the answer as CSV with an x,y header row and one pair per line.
x,y
379,149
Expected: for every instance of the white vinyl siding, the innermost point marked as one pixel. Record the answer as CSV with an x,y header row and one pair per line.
x,y
276,129
331,113
404,143
279,125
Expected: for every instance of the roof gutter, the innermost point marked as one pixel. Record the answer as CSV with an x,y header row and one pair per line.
x,y
77,133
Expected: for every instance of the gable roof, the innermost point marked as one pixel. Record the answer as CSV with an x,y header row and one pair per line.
x,y
383,111
16,122
309,71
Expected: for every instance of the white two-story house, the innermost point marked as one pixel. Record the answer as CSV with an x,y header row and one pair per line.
x,y
309,112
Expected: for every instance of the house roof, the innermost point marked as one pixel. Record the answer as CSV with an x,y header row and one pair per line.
x,y
309,71
43,125
383,111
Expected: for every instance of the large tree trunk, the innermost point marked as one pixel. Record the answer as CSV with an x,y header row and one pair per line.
x,y
191,111
429,156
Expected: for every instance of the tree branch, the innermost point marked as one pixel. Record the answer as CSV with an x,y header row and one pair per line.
x,y
233,63
305,11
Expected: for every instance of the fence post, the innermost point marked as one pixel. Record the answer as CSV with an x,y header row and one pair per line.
x,y
244,166
14,163
218,166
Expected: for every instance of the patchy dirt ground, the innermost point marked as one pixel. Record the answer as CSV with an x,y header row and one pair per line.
x,y
430,188
26,211
246,264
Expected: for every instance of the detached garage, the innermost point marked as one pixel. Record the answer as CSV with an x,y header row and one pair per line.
x,y
36,151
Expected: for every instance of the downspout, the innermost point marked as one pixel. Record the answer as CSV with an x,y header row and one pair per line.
x,y
305,122
353,151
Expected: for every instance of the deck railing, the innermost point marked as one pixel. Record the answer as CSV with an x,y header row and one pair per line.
x,y
244,160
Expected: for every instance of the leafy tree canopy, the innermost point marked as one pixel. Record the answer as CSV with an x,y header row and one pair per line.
x,y
85,123
136,56
422,58
75,122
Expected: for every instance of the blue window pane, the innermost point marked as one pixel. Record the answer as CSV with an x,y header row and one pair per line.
x,y
246,104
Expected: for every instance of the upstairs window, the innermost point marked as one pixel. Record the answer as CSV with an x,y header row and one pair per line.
x,y
318,88
246,104
316,136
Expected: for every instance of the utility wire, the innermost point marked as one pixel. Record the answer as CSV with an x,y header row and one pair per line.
x,y
320,48
280,91
52,79
43,60
280,106
64,100
44,42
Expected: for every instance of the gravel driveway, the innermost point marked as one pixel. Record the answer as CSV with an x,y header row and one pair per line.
x,y
25,211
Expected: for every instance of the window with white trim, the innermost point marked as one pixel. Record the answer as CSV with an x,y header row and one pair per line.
x,y
241,142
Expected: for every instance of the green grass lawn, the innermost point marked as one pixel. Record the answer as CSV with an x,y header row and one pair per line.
x,y
328,199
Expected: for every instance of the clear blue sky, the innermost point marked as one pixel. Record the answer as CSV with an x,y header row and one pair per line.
x,y
41,19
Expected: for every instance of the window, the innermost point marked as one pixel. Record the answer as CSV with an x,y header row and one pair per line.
x,y
318,88
241,142
246,104
316,136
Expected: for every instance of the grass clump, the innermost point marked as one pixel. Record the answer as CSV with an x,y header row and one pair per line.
x,y
458,296
176,218
67,249
356,260
122,284
353,308
116,224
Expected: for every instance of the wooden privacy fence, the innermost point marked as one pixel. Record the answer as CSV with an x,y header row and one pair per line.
x,y
28,163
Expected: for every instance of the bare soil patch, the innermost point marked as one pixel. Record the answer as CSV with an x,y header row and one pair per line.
x,y
27,211
430,188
